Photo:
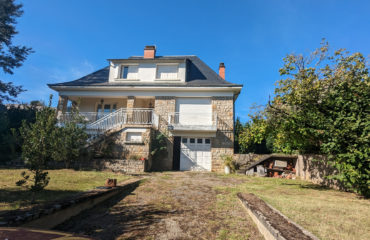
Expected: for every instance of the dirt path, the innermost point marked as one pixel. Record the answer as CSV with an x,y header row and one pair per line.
x,y
174,205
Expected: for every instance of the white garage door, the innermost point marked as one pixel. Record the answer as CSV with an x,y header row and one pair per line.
x,y
195,154
194,111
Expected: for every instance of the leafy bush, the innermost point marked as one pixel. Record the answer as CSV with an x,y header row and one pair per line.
x,y
71,139
229,161
158,145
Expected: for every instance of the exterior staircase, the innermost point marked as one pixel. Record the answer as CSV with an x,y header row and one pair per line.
x,y
124,116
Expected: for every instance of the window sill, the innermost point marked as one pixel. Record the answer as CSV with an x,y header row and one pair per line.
x,y
134,143
167,80
127,80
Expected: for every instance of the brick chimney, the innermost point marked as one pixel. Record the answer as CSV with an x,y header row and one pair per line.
x,y
221,70
149,52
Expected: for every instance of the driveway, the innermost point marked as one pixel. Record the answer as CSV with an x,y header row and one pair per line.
x,y
170,205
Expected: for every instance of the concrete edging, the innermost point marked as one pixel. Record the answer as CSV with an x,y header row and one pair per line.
x,y
265,227
51,216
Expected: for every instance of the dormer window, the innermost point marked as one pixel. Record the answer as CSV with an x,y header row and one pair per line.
x,y
167,72
129,72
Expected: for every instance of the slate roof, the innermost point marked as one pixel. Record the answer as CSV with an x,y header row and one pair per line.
x,y
198,74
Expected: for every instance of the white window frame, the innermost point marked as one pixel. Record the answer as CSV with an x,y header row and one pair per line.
x,y
167,79
135,134
121,66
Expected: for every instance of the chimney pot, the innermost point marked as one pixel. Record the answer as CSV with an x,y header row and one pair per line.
x,y
221,70
149,52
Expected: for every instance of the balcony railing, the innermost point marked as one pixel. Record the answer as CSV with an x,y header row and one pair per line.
x,y
87,117
98,123
192,121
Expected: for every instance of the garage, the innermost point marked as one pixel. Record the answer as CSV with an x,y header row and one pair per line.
x,y
195,154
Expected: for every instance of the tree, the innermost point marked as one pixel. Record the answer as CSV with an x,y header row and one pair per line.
x,y
11,118
71,139
253,136
322,106
11,56
238,130
38,148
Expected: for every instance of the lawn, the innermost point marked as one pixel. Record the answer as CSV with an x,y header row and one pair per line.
x,y
327,213
62,183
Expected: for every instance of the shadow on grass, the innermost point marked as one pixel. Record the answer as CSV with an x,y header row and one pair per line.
x,y
316,187
16,199
112,218
308,186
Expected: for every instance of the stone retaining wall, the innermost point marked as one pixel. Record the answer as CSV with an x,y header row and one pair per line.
x,y
126,166
309,167
315,168
116,165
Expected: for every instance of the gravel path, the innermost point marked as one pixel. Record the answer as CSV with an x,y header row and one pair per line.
x,y
172,205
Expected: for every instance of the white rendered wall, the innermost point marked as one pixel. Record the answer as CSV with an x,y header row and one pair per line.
x,y
90,104
146,73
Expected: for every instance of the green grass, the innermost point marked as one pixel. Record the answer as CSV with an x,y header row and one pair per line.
x,y
327,213
62,183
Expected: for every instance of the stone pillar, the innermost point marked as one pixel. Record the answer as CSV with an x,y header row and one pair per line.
x,y
62,106
130,108
223,143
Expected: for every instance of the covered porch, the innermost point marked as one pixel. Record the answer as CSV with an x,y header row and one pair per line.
x,y
103,113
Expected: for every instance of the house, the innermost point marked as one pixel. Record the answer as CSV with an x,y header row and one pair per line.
x,y
142,96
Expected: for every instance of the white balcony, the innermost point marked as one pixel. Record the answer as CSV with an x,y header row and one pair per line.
x,y
186,122
97,123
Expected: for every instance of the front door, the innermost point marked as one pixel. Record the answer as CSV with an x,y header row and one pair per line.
x,y
195,154
176,153
104,109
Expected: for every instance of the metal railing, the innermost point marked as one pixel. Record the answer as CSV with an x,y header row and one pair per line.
x,y
192,120
87,117
105,122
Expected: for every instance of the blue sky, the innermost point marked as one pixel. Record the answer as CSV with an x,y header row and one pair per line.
x,y
74,38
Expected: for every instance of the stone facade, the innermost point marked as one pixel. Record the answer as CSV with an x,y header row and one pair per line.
x,y
163,106
126,165
119,148
223,143
127,155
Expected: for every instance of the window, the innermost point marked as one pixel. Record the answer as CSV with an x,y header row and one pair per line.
x,y
184,140
200,140
208,141
129,72
106,108
133,137
124,72
192,140
167,72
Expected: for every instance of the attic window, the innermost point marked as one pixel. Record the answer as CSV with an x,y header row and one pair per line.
x,y
128,72
167,72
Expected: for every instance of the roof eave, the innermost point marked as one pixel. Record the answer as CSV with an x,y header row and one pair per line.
x,y
236,89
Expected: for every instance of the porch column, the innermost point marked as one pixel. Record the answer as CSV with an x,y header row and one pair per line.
x,y
130,108
62,106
